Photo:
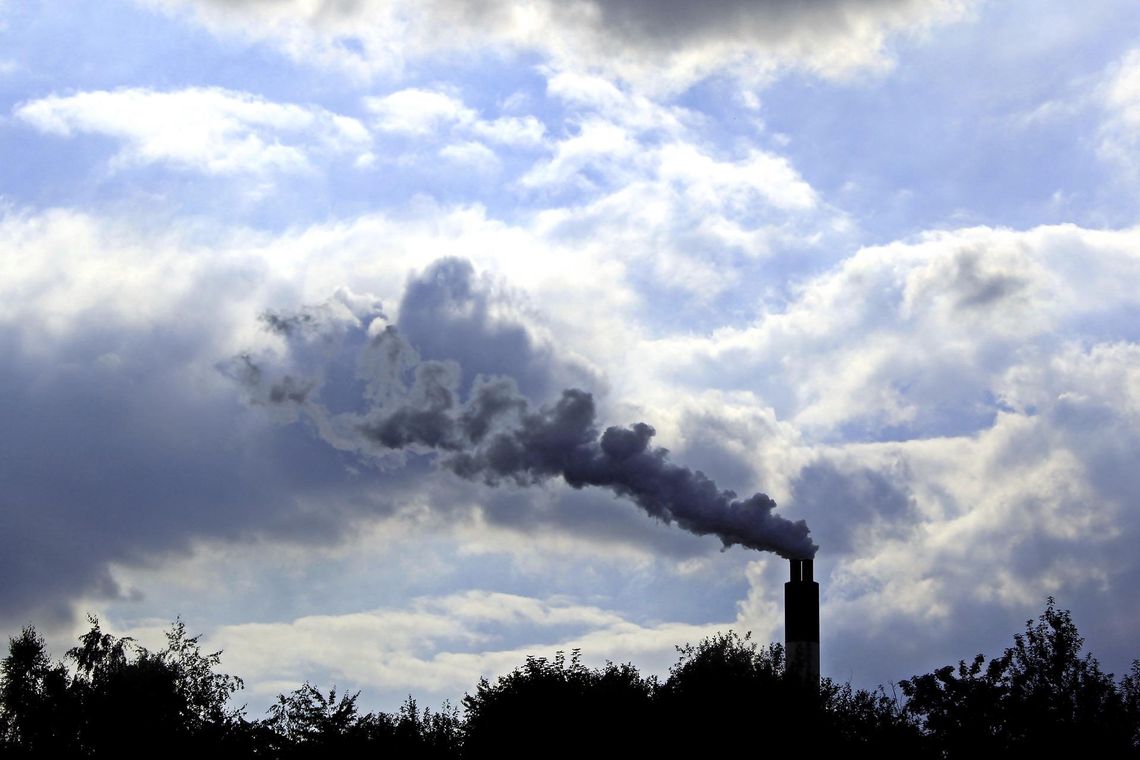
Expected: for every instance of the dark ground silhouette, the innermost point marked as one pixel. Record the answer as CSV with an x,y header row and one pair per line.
x,y
114,697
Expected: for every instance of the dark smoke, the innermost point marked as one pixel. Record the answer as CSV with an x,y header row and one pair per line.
x,y
529,447
495,436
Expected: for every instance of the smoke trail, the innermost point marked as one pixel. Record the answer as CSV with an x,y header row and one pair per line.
x,y
495,436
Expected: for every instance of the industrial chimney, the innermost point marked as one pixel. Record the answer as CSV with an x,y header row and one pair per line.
x,y
801,623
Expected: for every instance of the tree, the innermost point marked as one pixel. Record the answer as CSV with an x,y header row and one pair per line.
x,y
857,719
130,698
203,694
727,689
723,688
306,716
961,709
1040,695
1130,693
558,708
423,734
1056,697
308,723
37,714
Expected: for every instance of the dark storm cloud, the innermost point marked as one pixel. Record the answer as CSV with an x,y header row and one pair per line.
x,y
663,23
826,34
115,452
110,455
842,502
448,312
495,436
1107,446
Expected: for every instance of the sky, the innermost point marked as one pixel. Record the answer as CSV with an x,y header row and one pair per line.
x,y
388,343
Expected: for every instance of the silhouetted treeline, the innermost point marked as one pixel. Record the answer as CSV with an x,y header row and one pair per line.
x,y
112,696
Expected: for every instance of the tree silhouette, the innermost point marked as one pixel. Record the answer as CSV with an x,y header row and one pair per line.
x,y
133,699
1130,694
558,708
38,714
306,722
203,694
422,734
1039,695
720,687
725,692
121,698
727,688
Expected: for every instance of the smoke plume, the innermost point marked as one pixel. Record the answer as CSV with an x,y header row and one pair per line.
x,y
396,403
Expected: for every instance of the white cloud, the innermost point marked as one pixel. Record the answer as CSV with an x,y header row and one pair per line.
x,y
676,213
904,333
63,270
472,153
444,644
203,129
424,113
1120,94
597,145
522,131
655,193
589,93
417,112
1037,504
736,185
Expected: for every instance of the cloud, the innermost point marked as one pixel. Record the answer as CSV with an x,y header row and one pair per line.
x,y
417,112
1037,504
974,389
423,113
437,644
924,331
122,441
441,645
203,129
852,506
618,104
494,435
658,45
127,445
1120,98
635,181
450,312
474,154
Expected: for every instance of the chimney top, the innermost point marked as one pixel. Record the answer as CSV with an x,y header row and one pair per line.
x,y
801,571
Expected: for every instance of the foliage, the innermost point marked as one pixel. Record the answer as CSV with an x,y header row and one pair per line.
x,y
869,720
1130,695
723,692
307,723
718,687
306,715
727,686
559,707
119,699
203,694
423,734
36,709
1039,695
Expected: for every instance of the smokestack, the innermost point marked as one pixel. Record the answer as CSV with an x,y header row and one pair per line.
x,y
801,623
